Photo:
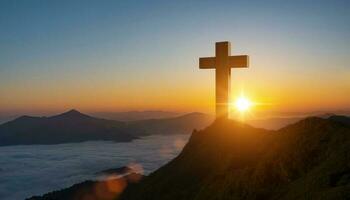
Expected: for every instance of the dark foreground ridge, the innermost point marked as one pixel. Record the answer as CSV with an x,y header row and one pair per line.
x,y
228,160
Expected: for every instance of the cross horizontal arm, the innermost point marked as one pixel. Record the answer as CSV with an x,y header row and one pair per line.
x,y
238,61
207,63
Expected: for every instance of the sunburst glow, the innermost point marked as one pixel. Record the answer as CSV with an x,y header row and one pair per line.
x,y
243,104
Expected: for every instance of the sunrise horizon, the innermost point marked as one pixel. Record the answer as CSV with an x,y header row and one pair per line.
x,y
87,66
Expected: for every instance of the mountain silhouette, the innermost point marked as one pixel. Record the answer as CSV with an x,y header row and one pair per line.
x,y
73,126
183,124
341,119
136,115
230,160
72,114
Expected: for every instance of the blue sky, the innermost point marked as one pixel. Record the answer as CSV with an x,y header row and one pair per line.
x,y
53,54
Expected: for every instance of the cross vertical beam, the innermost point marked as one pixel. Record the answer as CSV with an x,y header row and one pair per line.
x,y
223,62
222,78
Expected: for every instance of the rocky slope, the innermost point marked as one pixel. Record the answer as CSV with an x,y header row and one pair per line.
x,y
229,160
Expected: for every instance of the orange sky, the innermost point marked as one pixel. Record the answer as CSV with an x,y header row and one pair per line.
x,y
145,57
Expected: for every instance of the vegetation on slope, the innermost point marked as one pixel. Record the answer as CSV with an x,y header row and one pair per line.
x,y
229,160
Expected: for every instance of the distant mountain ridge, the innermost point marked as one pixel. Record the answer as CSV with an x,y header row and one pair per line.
x,y
173,125
73,126
136,115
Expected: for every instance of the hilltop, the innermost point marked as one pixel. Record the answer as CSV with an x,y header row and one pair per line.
x,y
229,160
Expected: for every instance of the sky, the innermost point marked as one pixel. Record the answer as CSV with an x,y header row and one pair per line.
x,y
143,55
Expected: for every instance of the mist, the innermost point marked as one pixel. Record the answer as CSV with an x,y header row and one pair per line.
x,y
28,170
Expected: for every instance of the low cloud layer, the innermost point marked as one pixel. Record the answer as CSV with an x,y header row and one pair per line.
x,y
37,169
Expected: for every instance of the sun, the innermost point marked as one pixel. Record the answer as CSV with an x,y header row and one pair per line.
x,y
243,104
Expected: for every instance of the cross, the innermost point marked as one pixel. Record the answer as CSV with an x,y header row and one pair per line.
x,y
223,62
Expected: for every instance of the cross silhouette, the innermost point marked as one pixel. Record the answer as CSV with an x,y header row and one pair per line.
x,y
223,62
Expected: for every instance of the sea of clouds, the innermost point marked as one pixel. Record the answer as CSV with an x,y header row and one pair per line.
x,y
28,170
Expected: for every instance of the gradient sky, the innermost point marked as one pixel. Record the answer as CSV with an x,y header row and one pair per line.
x,y
141,55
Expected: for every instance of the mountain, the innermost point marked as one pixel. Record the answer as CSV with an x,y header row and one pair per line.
x,y
5,118
274,123
341,119
93,190
183,124
229,160
136,115
71,126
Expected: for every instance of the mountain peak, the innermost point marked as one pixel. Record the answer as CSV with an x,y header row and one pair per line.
x,y
73,113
